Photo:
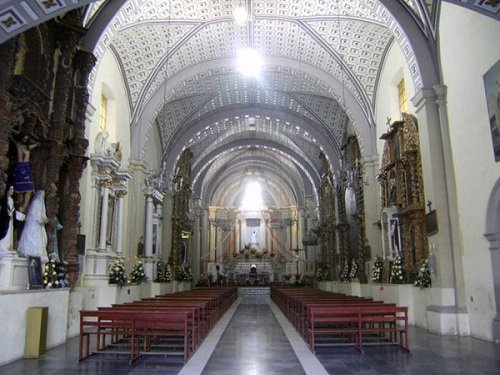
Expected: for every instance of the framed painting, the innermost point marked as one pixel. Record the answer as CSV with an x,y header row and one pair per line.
x,y
35,273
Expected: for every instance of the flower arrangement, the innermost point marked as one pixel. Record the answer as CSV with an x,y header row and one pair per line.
x,y
183,273
377,270
204,280
397,275
117,274
344,276
62,275
354,269
50,275
423,279
137,275
322,272
161,272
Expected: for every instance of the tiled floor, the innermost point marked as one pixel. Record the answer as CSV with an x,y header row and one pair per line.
x,y
254,343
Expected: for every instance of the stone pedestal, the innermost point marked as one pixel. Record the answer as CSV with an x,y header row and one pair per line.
x,y
97,262
13,273
150,267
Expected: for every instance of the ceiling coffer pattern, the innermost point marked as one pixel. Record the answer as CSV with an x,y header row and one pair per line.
x,y
224,133
141,48
286,168
284,131
229,90
175,113
360,44
290,40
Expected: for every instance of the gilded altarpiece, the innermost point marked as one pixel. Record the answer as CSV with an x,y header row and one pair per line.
x,y
351,209
327,224
403,202
181,224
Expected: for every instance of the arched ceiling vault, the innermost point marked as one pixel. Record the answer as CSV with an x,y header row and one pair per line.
x,y
261,165
322,61
277,190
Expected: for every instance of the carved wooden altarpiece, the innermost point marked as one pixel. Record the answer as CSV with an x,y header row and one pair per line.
x,y
403,202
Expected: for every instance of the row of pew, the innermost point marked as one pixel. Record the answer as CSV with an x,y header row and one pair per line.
x,y
170,324
330,319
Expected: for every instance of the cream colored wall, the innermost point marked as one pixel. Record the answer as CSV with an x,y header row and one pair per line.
x,y
108,80
469,46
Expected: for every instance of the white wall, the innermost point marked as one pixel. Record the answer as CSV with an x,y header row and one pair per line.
x,y
13,319
110,83
469,46
387,105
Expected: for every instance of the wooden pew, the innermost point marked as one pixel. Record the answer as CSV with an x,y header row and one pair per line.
x,y
133,325
356,323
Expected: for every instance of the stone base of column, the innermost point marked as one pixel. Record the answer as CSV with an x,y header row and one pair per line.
x,y
150,267
97,262
448,320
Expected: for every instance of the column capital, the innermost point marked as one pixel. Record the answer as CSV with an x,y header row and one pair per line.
x,y
423,97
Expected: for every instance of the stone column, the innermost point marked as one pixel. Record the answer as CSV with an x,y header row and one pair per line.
x,y
104,217
159,236
439,187
205,247
120,234
148,230
167,227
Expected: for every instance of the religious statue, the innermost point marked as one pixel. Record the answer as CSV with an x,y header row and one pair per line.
x,y
58,227
33,241
253,238
7,215
140,248
23,179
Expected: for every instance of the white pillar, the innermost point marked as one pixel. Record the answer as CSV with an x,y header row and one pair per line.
x,y
159,218
120,234
148,235
204,237
104,218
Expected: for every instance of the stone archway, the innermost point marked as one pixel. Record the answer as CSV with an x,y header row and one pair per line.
x,y
493,236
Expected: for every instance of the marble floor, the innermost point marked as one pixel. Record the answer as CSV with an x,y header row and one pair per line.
x,y
256,339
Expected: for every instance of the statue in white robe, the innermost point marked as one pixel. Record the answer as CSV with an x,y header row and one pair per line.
x,y
33,241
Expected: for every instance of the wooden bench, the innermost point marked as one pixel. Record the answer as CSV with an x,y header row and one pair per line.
x,y
133,325
354,324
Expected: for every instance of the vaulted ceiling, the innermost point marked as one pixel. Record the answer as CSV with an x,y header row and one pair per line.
x,y
321,63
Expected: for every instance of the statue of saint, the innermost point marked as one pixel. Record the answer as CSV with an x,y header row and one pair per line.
x,y
7,215
140,248
33,241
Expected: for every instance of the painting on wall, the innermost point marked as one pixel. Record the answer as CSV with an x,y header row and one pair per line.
x,y
492,89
